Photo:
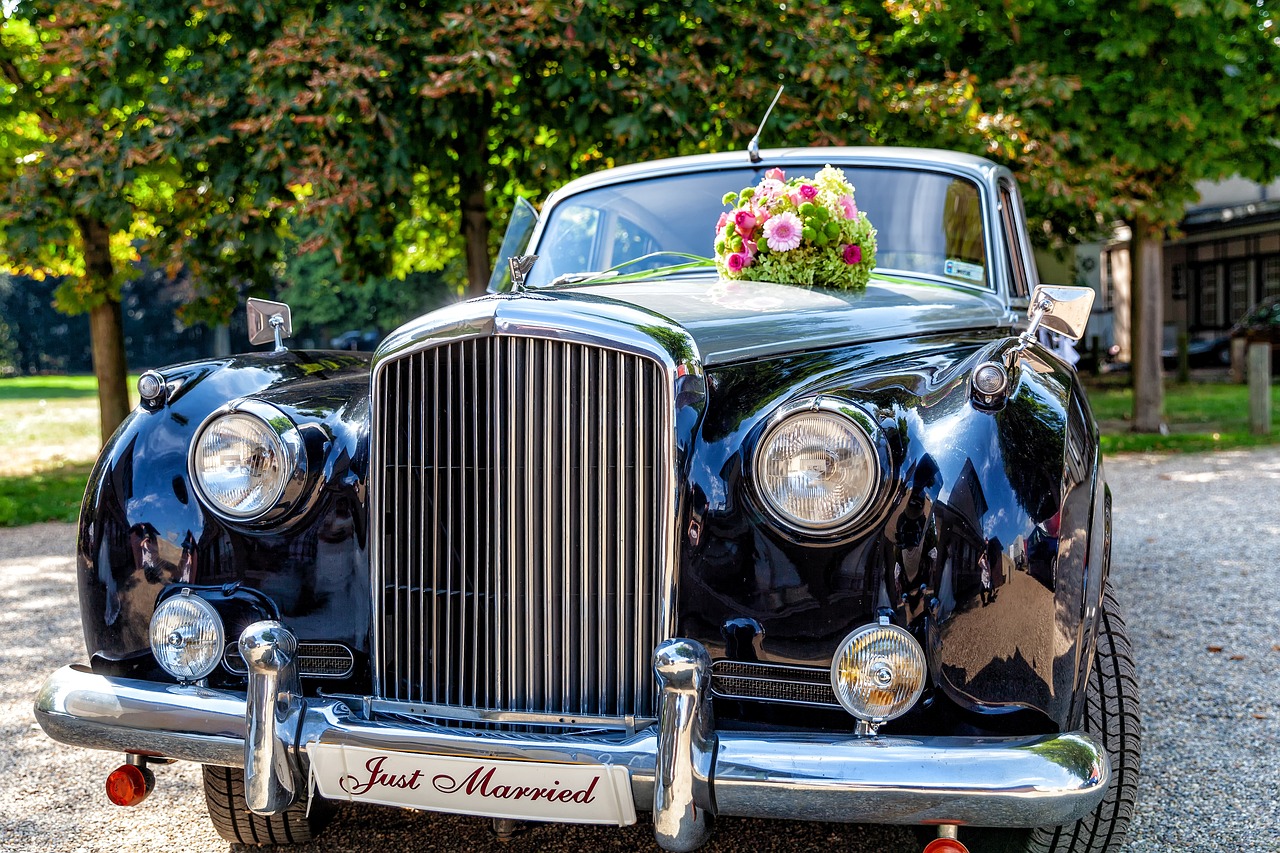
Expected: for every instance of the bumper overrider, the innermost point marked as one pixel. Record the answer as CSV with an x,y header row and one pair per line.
x,y
681,768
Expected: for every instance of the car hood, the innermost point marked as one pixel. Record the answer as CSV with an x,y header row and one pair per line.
x,y
737,320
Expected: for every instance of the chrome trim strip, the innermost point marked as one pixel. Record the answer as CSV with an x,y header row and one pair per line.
x,y
485,715
1045,780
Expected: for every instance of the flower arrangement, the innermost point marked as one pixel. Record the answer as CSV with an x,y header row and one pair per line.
x,y
802,231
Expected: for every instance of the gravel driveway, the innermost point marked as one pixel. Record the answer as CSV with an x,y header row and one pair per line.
x,y
1197,563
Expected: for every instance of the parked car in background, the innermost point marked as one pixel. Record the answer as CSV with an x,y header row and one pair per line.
x,y
636,534
357,339
1213,351
1261,324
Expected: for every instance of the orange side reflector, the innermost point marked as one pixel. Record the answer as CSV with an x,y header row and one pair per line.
x,y
945,845
128,785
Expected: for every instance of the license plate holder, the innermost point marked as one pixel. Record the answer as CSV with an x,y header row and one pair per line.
x,y
504,788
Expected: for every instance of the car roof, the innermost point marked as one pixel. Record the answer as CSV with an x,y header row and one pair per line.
x,y
955,162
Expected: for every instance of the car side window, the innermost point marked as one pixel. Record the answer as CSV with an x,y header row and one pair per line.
x,y
1011,225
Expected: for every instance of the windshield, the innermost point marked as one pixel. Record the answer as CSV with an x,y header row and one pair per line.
x,y
926,223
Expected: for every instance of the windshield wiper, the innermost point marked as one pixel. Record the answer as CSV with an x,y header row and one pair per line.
x,y
578,277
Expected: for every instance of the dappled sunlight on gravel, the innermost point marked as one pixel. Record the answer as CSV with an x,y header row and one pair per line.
x,y
1195,567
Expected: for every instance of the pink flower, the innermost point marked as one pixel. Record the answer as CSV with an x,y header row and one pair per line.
x,y
808,192
749,247
737,261
746,222
724,218
782,233
774,174
852,254
850,209
771,188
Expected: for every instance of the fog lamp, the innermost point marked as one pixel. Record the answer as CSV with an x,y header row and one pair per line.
x,y
187,636
878,672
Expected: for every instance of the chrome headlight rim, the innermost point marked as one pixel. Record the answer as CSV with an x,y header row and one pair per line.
x,y
854,636
287,436
872,439
185,596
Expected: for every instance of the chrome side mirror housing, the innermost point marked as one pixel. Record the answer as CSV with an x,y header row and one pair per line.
x,y
269,321
1060,309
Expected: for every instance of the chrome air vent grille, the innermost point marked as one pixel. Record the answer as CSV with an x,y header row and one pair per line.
x,y
521,499
314,660
797,685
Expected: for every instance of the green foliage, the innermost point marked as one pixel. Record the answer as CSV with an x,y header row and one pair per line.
x,y
363,141
320,298
1108,110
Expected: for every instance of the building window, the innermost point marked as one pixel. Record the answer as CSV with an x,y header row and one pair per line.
x,y
1238,284
1271,276
1207,313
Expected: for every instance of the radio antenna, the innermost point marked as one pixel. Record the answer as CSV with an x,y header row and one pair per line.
x,y
753,147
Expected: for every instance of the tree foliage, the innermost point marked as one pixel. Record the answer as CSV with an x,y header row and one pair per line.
x,y
1108,111
360,142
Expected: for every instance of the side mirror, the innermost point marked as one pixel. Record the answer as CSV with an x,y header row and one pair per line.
x,y
269,321
1060,309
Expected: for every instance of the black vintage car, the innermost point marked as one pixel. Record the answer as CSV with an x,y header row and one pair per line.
x,y
632,534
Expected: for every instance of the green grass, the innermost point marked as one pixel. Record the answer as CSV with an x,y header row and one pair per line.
x,y
48,441
18,388
50,495
1201,416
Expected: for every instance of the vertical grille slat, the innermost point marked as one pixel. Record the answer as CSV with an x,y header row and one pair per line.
x,y
520,489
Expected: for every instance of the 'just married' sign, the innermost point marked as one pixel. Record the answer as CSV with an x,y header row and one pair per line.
x,y
571,793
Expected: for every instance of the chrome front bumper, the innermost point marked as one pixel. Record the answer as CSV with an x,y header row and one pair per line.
x,y
682,768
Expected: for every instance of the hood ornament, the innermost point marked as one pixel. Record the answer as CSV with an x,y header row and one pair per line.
x,y
520,266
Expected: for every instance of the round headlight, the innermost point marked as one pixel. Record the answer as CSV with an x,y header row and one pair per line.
x,y
187,637
817,468
878,672
241,462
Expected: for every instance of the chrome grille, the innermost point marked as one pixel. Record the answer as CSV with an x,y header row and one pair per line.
x,y
521,486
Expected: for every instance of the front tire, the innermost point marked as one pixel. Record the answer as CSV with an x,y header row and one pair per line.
x,y
224,799
1111,715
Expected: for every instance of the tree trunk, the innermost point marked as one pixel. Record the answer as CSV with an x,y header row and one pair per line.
x,y
473,166
1147,257
106,328
475,231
